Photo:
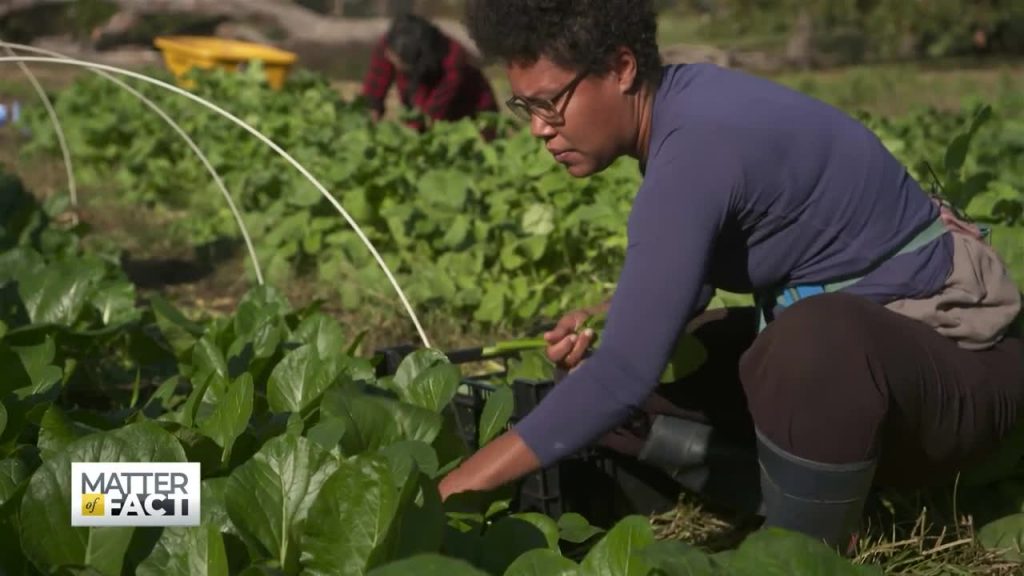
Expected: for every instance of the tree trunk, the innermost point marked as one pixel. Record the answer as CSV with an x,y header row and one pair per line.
x,y
297,23
800,48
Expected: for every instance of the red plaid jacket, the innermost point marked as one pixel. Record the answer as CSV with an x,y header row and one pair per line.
x,y
461,91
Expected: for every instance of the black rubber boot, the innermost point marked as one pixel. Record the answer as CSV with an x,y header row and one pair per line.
x,y
824,501
695,457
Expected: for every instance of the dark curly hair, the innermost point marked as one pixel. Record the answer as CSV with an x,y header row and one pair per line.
x,y
575,34
421,46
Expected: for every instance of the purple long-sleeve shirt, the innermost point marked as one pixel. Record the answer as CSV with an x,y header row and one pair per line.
x,y
748,185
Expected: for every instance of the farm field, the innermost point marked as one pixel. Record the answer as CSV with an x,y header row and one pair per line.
x,y
135,325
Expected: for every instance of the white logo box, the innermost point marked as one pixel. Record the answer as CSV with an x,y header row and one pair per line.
x,y
145,493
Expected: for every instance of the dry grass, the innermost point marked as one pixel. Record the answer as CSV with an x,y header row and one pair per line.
x,y
930,548
902,536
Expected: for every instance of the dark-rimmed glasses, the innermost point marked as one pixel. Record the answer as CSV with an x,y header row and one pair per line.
x,y
546,109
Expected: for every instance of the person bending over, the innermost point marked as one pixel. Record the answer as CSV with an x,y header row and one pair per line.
x,y
432,73
881,351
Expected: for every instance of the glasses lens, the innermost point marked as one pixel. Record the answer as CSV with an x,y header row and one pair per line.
x,y
547,113
520,109
543,110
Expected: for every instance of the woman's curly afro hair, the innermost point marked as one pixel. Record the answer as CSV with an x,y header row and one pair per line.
x,y
575,34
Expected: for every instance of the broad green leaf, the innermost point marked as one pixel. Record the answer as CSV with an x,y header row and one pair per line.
x,y
295,424
616,553
506,540
531,365
301,378
107,548
373,422
433,388
13,474
1005,536
327,433
36,363
777,552
984,205
19,262
58,293
1008,241
350,518
56,432
48,538
535,247
213,504
420,453
542,562
538,220
497,410
415,364
956,153
428,565
323,332
492,307
180,332
498,507
544,523
419,524
675,558
208,361
187,551
3,419
115,302
305,196
264,340
445,187
510,259
456,233
269,496
573,527
231,416
266,298
256,325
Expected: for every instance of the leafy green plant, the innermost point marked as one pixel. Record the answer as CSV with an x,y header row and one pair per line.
x,y
495,232
310,463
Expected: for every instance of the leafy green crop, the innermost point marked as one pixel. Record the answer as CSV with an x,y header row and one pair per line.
x,y
493,232
311,464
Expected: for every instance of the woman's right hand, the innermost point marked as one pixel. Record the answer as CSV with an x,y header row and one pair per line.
x,y
566,345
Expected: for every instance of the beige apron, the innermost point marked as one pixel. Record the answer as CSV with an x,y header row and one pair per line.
x,y
979,302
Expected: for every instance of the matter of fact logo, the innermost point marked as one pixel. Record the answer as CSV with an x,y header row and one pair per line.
x,y
135,493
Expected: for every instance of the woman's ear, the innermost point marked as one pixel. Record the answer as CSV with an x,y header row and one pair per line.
x,y
624,66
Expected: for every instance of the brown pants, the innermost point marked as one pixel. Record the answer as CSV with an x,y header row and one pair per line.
x,y
837,378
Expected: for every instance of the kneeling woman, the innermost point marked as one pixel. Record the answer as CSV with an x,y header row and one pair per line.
x,y
884,354
431,71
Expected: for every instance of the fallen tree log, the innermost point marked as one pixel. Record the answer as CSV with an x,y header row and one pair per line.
x,y
293,22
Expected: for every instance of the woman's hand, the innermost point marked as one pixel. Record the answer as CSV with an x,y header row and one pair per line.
x,y
566,345
505,459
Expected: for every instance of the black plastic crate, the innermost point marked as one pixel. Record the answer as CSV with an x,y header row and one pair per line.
x,y
600,485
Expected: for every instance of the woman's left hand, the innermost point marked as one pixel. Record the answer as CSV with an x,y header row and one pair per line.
x,y
503,460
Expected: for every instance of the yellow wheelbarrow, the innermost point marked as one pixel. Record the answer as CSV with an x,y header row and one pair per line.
x,y
182,53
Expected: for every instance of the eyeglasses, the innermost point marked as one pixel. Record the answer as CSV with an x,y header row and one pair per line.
x,y
545,109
